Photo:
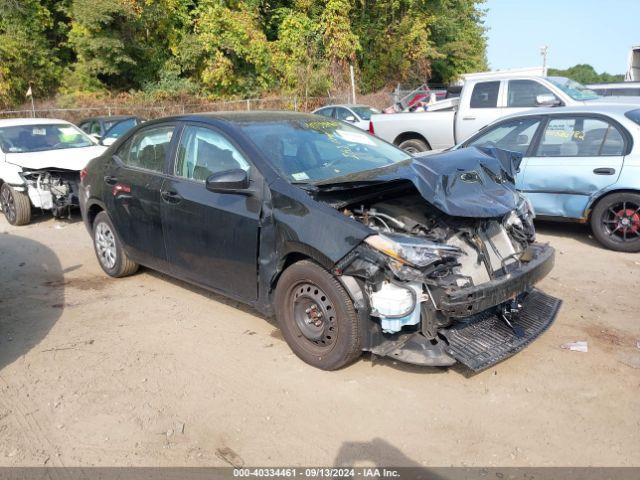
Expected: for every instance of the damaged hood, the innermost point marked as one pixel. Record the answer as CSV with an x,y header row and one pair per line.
x,y
472,182
66,158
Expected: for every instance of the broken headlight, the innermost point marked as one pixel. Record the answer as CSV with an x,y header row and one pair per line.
x,y
413,251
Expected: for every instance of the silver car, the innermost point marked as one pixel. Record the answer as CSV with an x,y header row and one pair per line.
x,y
358,115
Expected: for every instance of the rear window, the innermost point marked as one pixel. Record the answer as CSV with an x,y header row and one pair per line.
x,y
485,95
634,115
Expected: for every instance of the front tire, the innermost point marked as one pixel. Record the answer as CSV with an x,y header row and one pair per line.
x,y
111,256
16,206
414,145
317,317
615,222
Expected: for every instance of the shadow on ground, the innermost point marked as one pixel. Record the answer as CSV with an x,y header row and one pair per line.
x,y
373,453
31,295
575,231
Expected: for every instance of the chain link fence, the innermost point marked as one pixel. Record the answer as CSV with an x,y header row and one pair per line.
x,y
164,109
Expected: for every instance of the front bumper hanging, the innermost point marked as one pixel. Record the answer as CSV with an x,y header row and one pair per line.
x,y
481,340
487,339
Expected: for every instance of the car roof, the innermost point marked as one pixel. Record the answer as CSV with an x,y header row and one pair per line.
x,y
239,117
14,122
347,105
107,117
614,85
594,108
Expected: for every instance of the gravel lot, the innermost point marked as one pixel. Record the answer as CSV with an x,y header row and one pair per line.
x,y
150,371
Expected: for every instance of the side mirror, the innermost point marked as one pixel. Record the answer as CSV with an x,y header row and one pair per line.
x,y
350,118
229,181
547,100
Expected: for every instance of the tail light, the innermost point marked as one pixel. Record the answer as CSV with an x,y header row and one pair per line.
x,y
83,173
371,130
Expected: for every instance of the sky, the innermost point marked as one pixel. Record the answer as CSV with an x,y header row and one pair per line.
x,y
597,32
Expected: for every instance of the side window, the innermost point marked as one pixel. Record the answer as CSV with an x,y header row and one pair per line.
x,y
343,113
523,93
203,152
147,149
325,112
580,137
85,127
95,128
485,95
515,135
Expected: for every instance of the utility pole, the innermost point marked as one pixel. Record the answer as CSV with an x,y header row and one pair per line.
x,y
353,85
544,51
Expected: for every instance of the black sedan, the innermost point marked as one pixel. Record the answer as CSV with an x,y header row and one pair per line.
x,y
351,243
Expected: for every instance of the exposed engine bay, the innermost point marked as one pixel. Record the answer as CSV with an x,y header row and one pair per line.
x,y
55,190
448,273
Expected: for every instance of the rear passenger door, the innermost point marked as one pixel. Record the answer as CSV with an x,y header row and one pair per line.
x,y
133,182
575,156
211,238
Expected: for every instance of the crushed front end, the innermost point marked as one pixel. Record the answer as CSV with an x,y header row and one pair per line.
x,y
53,189
439,288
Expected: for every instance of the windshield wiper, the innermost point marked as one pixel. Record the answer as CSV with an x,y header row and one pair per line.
x,y
328,187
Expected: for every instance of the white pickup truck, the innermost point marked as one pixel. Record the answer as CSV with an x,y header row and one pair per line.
x,y
485,97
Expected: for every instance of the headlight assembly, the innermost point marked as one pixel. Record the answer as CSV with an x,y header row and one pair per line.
x,y
413,251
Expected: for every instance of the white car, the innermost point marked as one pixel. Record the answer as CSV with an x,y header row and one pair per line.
x,y
358,115
40,164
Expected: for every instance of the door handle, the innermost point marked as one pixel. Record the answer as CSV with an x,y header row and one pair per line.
x,y
170,196
109,180
604,171
468,118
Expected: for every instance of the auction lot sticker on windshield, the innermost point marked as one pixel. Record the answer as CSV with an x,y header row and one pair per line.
x,y
300,176
355,137
38,131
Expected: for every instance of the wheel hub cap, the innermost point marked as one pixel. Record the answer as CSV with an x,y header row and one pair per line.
x,y
105,245
8,205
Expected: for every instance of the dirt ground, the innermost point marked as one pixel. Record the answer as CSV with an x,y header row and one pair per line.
x,y
150,371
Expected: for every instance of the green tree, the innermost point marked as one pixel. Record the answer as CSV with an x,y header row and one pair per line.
x,y
123,44
29,50
586,74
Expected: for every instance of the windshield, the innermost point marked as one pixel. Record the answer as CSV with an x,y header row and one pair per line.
x,y
37,138
364,112
312,150
575,90
120,128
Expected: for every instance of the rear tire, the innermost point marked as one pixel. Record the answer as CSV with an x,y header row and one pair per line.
x,y
414,145
317,317
16,206
615,222
111,256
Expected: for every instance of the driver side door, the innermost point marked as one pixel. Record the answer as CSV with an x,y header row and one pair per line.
x,y
211,238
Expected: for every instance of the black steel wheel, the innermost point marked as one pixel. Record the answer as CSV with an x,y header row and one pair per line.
x,y
16,206
317,317
615,222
